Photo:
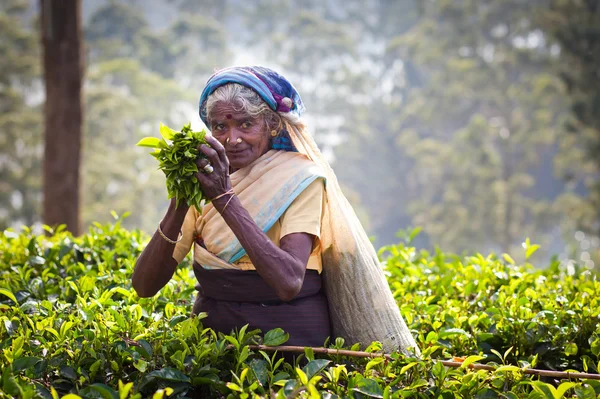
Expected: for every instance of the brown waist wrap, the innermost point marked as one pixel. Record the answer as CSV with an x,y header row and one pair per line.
x,y
233,298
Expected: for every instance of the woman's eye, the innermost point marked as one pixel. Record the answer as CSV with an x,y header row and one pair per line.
x,y
246,125
218,127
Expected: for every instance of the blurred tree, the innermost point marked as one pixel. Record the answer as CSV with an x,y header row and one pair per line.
x,y
124,103
575,26
63,77
131,88
20,117
481,125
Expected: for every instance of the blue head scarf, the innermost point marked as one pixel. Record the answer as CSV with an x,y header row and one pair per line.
x,y
275,90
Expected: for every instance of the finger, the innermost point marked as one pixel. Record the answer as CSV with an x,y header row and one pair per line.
x,y
201,163
202,178
211,154
218,147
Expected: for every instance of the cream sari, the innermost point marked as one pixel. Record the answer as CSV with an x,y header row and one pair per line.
x,y
361,306
266,188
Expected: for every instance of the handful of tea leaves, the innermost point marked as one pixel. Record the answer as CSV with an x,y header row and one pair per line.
x,y
178,161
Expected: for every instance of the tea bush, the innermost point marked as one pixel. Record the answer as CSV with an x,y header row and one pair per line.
x,y
71,326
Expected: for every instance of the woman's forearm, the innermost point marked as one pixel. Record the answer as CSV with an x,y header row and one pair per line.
x,y
282,269
155,266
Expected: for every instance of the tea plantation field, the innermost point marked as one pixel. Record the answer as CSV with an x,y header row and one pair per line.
x,y
71,326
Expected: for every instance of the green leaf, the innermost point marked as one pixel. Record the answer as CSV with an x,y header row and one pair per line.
x,y
407,367
9,384
151,142
508,259
145,348
105,391
595,347
302,376
9,294
486,393
545,389
439,371
368,387
563,388
95,366
454,331
24,363
124,389
585,392
68,372
259,368
432,336
470,360
141,365
314,367
169,374
309,353
571,349
276,337
243,355
177,319
234,387
167,132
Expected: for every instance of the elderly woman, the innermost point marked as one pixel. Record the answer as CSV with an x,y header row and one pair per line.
x,y
276,220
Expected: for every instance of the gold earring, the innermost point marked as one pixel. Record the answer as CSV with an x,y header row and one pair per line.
x,y
273,133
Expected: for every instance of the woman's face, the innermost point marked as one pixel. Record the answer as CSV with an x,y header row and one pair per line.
x,y
229,125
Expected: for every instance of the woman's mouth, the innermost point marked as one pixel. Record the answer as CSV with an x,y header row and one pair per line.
x,y
235,152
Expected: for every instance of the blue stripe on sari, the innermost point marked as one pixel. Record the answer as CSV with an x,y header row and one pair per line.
x,y
279,212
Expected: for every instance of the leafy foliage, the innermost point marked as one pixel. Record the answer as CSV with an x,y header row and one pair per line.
x,y
72,326
178,161
573,25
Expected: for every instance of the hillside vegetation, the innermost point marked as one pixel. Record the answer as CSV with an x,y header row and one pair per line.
x,y
71,326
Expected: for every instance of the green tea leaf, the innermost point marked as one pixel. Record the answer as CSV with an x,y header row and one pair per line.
x,y
314,367
9,294
9,384
585,392
595,347
470,360
68,372
24,363
276,337
259,368
368,387
563,388
571,349
169,374
151,142
166,132
105,391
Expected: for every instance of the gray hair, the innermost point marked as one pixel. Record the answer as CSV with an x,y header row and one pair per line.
x,y
243,99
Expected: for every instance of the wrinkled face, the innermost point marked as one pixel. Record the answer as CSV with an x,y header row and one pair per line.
x,y
229,125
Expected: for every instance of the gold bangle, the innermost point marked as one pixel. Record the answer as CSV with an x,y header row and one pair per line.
x,y
227,203
224,194
167,238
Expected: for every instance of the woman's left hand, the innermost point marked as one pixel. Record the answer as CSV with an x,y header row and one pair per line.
x,y
217,182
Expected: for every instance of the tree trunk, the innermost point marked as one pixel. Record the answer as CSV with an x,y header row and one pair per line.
x,y
63,75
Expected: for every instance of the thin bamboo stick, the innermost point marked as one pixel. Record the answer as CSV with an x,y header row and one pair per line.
x,y
447,363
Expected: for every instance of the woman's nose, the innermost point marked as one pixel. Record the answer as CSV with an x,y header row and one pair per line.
x,y
234,134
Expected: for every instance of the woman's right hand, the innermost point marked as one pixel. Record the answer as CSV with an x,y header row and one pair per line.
x,y
155,266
